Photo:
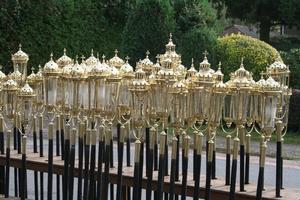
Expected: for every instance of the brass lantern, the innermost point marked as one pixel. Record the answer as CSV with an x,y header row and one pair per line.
x,y
76,77
112,89
205,80
97,77
9,90
170,53
125,101
84,91
66,85
270,92
239,86
51,75
116,61
164,82
139,89
217,99
17,75
25,107
20,60
179,104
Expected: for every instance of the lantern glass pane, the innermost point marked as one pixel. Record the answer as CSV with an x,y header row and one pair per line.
x,y
10,102
124,96
84,95
100,94
270,106
51,90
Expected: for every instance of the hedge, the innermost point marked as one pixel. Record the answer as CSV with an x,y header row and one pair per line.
x,y
294,114
257,54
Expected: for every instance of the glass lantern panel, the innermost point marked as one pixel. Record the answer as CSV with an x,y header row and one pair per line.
x,y
111,96
270,107
10,104
91,91
50,87
124,96
26,111
100,94
84,95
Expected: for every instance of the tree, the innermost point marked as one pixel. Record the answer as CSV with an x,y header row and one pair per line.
x,y
147,26
197,27
267,13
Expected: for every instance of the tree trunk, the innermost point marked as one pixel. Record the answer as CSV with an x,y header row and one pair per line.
x,y
265,27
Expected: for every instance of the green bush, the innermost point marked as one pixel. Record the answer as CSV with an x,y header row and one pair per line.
x,y
292,59
257,54
294,113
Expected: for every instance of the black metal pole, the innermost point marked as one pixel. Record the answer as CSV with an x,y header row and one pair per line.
x,y
260,181
214,162
100,160
108,136
15,169
57,154
228,155
121,134
86,164
209,170
7,164
19,137
147,140
166,160
185,166
111,166
242,159
66,162
247,165
62,135
50,160
173,168
161,170
2,168
198,139
23,168
177,161
41,154
92,187
141,163
36,185
278,170
137,174
80,160
72,163
234,168
128,189
152,136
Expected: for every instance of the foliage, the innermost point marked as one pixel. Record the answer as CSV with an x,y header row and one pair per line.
x,y
292,59
196,30
266,12
147,27
285,43
257,54
294,114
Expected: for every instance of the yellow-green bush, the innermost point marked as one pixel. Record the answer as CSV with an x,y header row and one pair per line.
x,y
257,54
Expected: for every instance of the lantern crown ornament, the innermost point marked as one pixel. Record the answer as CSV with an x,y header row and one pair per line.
x,y
16,75
277,67
77,71
26,91
39,74
10,85
146,63
271,86
51,67
64,60
170,52
241,78
205,74
166,73
100,70
116,61
156,67
20,56
126,70
92,60
31,79
139,83
219,86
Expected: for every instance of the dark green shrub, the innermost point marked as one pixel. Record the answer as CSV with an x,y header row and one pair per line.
x,y
285,43
257,54
294,114
292,59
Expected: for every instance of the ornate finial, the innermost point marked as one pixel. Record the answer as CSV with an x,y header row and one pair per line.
x,y
127,58
92,52
40,67
82,58
32,69
192,65
205,53
65,51
261,75
103,58
76,58
220,64
170,37
51,56
116,52
20,46
98,55
242,62
147,53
